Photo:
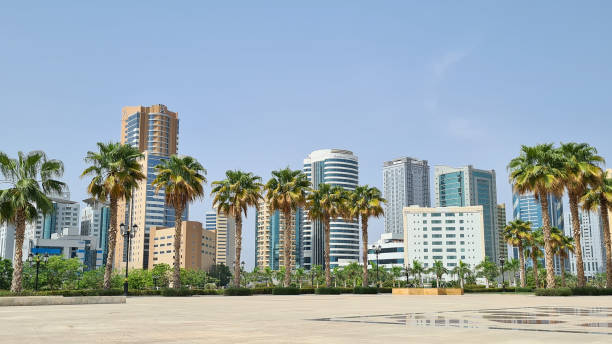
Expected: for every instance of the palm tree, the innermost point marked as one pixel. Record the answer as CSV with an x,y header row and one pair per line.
x,y
299,276
563,245
535,242
316,271
580,165
461,270
268,272
600,195
181,179
514,265
517,233
539,170
396,272
324,204
418,270
31,177
233,196
286,192
364,202
438,270
116,171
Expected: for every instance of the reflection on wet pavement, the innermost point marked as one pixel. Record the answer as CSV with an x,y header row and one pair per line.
x,y
544,319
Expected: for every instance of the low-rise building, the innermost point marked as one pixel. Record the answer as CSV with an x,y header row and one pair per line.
x,y
69,244
447,234
391,250
197,246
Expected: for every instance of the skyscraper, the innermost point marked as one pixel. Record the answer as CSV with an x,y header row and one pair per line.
x,y
467,186
210,220
226,240
335,167
269,238
95,221
501,224
154,131
591,241
405,183
527,208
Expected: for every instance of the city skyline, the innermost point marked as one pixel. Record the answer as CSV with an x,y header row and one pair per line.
x,y
442,83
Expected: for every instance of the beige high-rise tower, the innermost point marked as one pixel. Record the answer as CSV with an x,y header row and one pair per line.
x,y
269,238
226,240
154,131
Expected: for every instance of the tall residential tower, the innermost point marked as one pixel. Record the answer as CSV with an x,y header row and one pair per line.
x,y
405,183
154,131
335,167
467,186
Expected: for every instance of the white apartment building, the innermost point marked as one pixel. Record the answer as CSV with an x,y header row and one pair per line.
x,y
7,241
591,241
336,167
391,250
448,234
69,244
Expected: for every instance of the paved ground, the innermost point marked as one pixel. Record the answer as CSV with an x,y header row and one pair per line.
x,y
317,319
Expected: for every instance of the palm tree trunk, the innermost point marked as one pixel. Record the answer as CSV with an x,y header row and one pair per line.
x,y
178,222
562,258
607,240
20,224
534,260
573,203
287,247
238,251
522,262
364,238
326,253
548,247
112,242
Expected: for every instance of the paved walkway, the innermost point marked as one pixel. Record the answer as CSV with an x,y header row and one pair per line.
x,y
317,319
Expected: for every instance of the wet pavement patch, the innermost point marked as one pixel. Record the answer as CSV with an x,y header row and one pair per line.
x,y
539,319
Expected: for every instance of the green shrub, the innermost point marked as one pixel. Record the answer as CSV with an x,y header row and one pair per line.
x,y
489,290
144,292
286,291
262,291
385,290
523,290
307,290
365,290
206,292
238,292
554,292
591,291
328,291
176,292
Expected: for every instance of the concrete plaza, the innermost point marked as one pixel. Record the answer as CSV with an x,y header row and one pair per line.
x,y
347,318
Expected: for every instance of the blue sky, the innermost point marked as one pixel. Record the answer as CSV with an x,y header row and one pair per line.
x,y
259,85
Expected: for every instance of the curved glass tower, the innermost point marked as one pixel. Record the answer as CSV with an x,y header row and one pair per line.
x,y
335,167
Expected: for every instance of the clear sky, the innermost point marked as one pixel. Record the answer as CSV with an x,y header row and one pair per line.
x,y
260,84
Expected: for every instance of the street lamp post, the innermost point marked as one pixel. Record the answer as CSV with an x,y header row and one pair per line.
x,y
128,234
501,262
377,250
36,260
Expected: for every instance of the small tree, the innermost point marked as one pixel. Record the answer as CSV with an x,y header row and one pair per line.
x,y
488,270
6,273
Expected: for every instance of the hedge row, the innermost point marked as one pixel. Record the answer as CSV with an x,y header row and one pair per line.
x,y
497,290
554,292
586,291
